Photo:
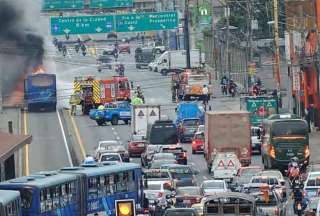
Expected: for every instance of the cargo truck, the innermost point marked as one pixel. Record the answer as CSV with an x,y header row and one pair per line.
x,y
227,132
142,116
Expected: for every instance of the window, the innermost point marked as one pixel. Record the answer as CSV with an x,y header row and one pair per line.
x,y
244,209
229,209
12,209
26,198
93,187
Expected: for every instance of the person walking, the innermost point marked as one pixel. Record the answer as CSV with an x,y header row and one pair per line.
x,y
205,92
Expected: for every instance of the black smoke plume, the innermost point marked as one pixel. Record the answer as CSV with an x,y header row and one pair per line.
x,y
15,37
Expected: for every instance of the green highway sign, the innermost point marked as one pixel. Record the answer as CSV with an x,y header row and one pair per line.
x,y
117,23
62,4
82,25
110,3
146,21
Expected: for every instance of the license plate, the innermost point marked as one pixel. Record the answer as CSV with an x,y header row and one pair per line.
x,y
299,206
201,147
140,145
186,201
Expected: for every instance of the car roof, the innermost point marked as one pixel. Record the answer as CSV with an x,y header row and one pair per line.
x,y
108,142
110,153
213,180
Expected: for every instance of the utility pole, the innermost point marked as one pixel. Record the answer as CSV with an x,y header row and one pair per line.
x,y
276,42
227,13
186,33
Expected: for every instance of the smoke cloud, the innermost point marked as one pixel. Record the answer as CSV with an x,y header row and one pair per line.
x,y
21,48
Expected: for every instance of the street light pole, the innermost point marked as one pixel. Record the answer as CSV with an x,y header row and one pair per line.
x,y
227,69
276,42
186,33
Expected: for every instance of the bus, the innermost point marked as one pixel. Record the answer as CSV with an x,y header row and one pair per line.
x,y
47,193
107,184
284,136
40,92
229,203
10,203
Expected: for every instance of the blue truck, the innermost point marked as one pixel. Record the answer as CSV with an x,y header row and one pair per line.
x,y
112,112
40,92
189,116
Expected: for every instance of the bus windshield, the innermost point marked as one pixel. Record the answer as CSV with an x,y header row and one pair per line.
x,y
289,128
41,81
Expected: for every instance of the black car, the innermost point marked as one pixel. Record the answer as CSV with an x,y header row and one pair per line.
x,y
163,132
187,129
147,155
143,56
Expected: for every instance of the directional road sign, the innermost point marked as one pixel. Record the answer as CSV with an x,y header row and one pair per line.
x,y
111,3
146,21
81,25
62,4
117,23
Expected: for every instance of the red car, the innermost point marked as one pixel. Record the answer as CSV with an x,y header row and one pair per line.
x,y
136,145
197,142
124,48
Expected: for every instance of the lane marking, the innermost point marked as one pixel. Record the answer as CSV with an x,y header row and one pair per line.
x,y
205,177
79,140
112,128
64,139
118,138
26,147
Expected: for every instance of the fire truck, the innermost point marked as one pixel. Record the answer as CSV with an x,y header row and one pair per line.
x,y
189,84
95,92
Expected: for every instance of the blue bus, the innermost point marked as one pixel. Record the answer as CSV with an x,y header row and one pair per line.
x,y
47,193
106,184
40,92
10,203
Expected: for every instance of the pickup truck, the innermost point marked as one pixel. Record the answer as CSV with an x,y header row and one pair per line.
x,y
112,112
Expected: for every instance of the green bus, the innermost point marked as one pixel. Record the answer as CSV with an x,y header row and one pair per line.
x,y
284,136
260,107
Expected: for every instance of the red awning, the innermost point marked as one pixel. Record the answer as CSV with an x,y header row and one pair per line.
x,y
9,143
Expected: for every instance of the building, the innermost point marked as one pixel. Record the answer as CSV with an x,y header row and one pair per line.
x,y
145,5
10,144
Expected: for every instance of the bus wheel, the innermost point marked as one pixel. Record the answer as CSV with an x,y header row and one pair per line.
x,y
100,122
114,120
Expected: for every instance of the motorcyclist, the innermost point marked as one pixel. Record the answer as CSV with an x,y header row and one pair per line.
x,y
256,89
83,49
55,41
64,50
232,88
298,198
224,84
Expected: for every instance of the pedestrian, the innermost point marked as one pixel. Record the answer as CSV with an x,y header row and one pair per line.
x,y
205,93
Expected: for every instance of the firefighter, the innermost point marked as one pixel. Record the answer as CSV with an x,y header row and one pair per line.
x,y
75,100
136,100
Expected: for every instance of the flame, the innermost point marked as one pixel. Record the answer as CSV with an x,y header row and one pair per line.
x,y
39,69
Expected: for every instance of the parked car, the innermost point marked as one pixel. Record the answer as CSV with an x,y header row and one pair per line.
x,y
112,112
187,196
198,142
147,155
209,187
136,145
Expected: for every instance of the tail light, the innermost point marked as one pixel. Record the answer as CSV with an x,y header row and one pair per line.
x,y
198,199
306,151
272,152
193,142
146,211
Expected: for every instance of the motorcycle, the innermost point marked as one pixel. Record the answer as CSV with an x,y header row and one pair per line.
x,y
224,89
232,91
298,208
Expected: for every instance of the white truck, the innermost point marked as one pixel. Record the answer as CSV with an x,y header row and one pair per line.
x,y
142,116
176,61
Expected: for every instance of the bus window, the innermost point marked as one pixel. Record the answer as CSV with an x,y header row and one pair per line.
x,y
102,186
213,209
289,128
93,190
229,209
244,209
26,198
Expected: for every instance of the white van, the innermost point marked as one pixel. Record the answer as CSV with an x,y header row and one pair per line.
x,y
225,166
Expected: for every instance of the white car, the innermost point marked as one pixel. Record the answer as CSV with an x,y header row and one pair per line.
x,y
106,145
210,187
312,184
156,189
225,166
110,158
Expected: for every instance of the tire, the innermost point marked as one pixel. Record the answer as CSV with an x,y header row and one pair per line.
x,y
164,72
114,120
100,122
126,121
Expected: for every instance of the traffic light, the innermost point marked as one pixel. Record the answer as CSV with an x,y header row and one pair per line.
x,y
125,207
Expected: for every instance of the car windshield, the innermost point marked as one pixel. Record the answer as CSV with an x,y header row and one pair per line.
x,y
153,186
289,128
163,134
152,148
199,136
190,122
181,172
110,158
213,184
158,163
137,138
198,79
164,156
271,173
108,145
188,191
269,181
159,174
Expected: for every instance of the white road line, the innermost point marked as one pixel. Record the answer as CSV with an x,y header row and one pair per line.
x,y
118,138
112,128
205,177
64,139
